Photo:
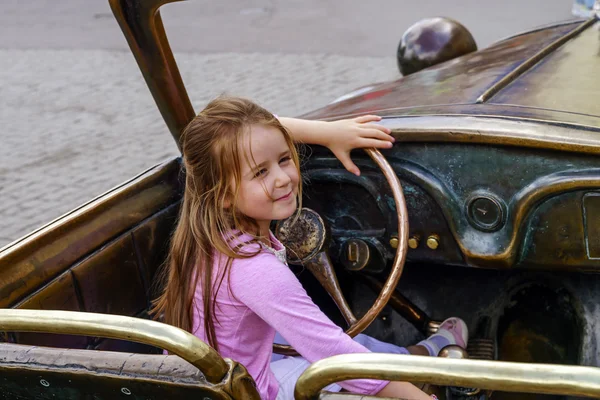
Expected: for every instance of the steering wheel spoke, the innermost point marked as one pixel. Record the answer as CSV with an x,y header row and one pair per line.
x,y
305,238
322,269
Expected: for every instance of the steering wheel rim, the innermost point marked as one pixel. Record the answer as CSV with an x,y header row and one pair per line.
x,y
399,258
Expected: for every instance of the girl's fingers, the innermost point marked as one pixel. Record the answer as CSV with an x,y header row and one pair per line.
x,y
367,118
378,144
347,162
376,127
377,134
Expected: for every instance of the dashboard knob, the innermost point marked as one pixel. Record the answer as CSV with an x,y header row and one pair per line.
x,y
356,255
413,242
363,255
433,242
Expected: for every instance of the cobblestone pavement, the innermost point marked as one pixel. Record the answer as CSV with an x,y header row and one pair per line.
x,y
95,124
75,121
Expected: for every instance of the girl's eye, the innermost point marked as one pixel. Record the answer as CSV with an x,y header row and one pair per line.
x,y
285,159
260,172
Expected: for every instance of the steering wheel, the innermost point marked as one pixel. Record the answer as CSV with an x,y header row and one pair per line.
x,y
305,237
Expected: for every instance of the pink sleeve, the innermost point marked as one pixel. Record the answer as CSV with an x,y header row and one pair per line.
x,y
273,292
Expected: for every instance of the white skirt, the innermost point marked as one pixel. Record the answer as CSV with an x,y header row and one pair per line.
x,y
287,369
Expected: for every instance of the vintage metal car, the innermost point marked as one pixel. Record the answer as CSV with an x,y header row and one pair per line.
x,y
499,223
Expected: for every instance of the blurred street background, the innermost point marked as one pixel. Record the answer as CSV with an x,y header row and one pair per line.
x,y
76,117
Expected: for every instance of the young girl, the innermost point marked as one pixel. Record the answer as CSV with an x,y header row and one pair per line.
x,y
226,279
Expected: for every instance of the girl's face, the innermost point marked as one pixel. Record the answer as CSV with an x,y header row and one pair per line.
x,y
269,177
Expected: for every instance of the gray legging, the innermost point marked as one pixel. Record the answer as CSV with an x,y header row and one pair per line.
x,y
287,369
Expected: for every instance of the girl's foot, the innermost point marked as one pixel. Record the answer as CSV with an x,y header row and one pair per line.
x,y
451,331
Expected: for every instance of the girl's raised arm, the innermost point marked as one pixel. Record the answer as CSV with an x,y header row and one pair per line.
x,y
341,136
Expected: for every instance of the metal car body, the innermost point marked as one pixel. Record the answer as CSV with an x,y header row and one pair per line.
x,y
496,151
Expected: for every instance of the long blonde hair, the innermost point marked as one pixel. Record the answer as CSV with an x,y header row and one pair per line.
x,y
212,155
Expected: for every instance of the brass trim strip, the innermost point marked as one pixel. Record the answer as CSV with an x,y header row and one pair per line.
x,y
495,131
492,375
167,337
529,63
513,112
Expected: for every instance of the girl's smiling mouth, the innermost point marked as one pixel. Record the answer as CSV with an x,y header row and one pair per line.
x,y
287,196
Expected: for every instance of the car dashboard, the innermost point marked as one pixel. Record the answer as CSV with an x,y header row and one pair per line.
x,y
473,205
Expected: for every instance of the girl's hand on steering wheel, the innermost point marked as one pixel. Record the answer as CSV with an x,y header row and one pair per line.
x,y
344,135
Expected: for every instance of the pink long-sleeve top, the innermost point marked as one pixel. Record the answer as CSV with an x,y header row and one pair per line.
x,y
260,296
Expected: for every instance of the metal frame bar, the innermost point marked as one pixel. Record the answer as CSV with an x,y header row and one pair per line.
x,y
170,338
142,26
492,375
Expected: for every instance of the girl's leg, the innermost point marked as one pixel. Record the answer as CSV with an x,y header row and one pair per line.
x,y
377,346
287,370
404,390
451,331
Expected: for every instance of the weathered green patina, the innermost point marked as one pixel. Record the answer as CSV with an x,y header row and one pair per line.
x,y
497,154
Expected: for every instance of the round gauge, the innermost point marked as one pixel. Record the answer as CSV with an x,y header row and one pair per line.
x,y
485,212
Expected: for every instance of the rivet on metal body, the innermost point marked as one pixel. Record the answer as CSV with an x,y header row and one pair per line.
x,y
433,242
394,242
413,242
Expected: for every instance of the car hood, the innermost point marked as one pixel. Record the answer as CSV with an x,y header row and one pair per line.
x,y
549,75
554,70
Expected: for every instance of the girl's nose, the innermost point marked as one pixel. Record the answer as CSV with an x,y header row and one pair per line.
x,y
282,179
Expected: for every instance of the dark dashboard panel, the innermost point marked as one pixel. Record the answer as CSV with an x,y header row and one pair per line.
x,y
363,208
485,206
346,207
